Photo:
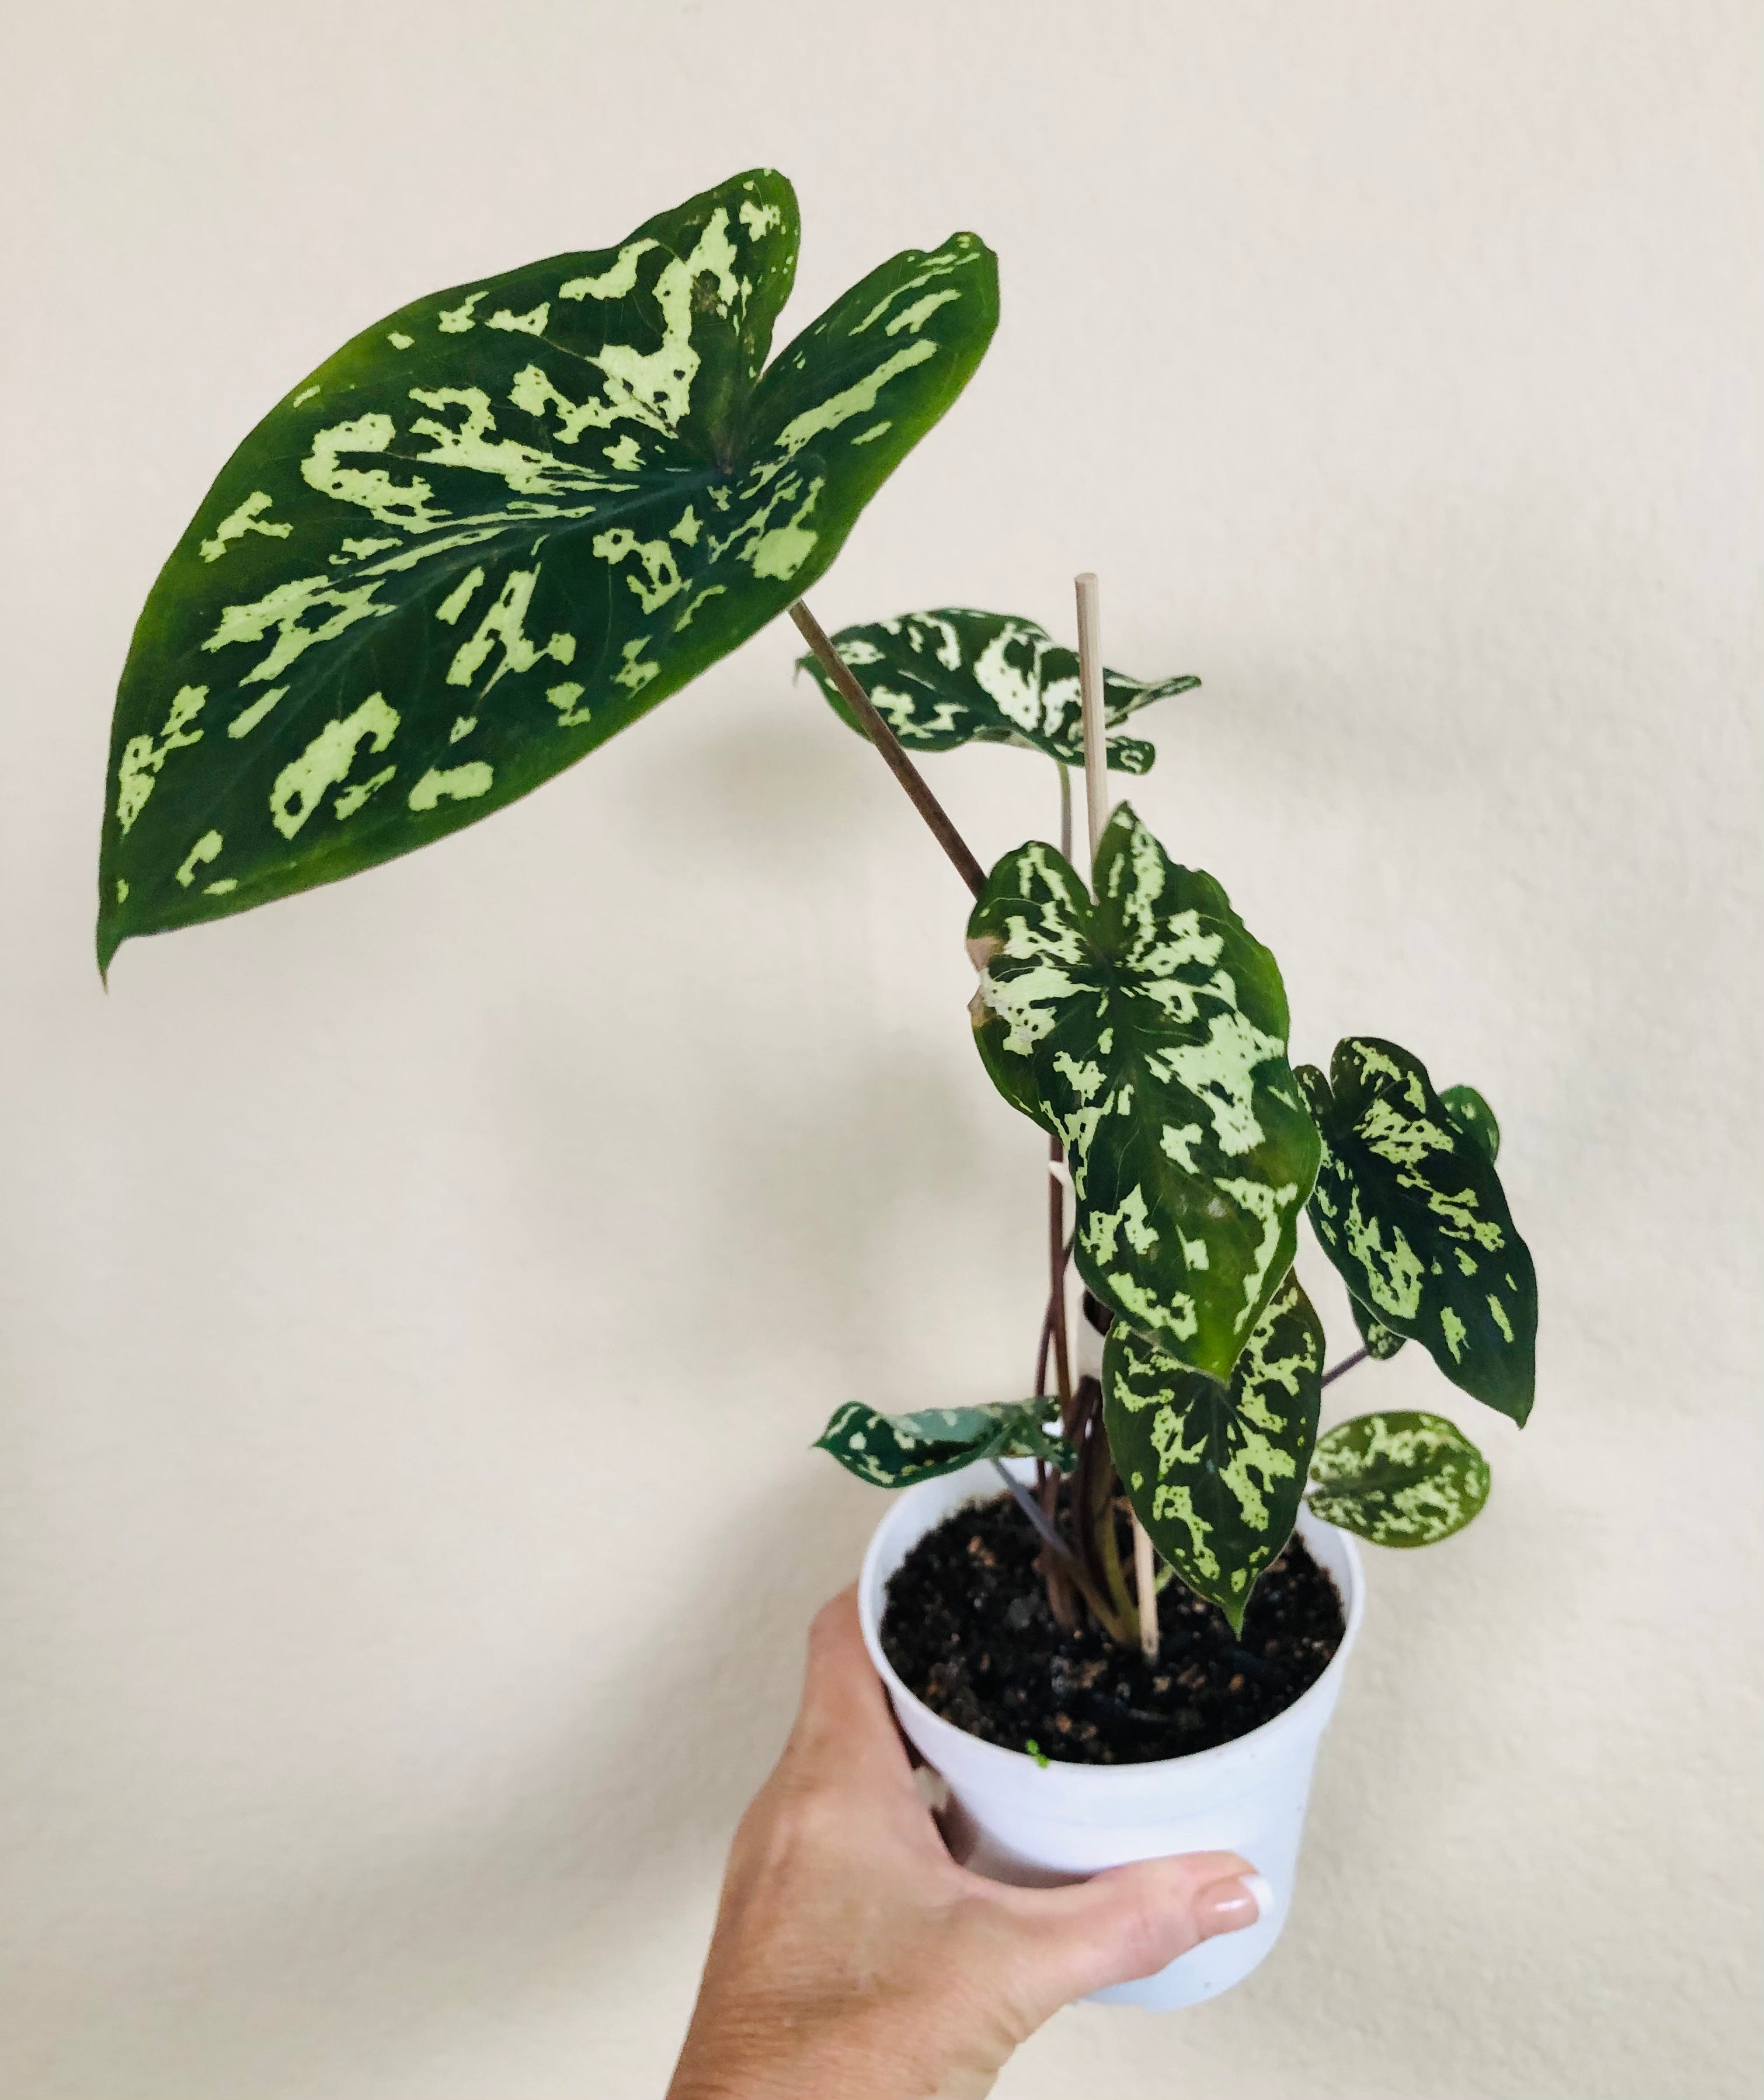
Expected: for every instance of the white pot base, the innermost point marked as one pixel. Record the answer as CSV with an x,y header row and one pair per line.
x,y
1037,1825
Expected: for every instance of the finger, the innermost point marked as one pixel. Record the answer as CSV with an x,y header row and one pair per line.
x,y
845,1733
1128,1922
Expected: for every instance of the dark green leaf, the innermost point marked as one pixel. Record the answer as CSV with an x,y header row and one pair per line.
x,y
1471,1115
1399,1479
953,676
1475,1117
1381,1341
495,529
1148,1031
894,1450
1216,1473
1409,1209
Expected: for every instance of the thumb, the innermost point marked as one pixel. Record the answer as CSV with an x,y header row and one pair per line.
x,y
1128,1922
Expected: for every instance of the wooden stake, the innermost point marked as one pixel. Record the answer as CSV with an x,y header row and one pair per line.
x,y
1090,679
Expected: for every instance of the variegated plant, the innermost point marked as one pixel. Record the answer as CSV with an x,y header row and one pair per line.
x,y
501,524
494,529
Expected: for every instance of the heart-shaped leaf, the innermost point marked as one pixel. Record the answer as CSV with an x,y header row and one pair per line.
x,y
953,676
1409,1209
894,1450
1398,1479
492,530
1472,1116
1147,1032
1216,1472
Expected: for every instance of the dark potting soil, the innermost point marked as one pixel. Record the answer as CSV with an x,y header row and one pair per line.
x,y
967,1629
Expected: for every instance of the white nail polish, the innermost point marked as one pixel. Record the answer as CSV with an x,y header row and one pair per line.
x,y
1258,1887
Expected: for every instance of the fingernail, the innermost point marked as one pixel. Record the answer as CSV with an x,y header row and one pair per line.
x,y
1230,1906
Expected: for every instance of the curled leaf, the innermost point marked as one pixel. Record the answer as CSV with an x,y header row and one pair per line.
x,y
953,676
894,1450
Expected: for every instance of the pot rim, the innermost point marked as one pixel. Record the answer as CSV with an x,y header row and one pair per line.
x,y
1309,1710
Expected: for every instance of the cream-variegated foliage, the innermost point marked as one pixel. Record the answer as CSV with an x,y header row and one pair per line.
x,y
1408,1207
952,676
493,530
894,1450
1148,1031
1216,1472
1398,1479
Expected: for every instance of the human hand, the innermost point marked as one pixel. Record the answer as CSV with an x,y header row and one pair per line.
x,y
853,1957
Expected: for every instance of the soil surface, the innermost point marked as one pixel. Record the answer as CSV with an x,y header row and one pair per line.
x,y
967,1627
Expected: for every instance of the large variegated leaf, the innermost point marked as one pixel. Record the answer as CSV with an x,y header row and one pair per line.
x,y
1472,1116
1216,1472
496,528
894,1450
1148,1031
953,676
1409,1209
1399,1479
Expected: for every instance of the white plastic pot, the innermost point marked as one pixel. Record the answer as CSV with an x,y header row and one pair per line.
x,y
1018,1820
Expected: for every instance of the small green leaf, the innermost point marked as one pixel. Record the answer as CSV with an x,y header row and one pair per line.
x,y
894,1450
1410,1210
1381,1341
495,529
1398,1479
1472,1115
953,676
1216,1473
1147,1032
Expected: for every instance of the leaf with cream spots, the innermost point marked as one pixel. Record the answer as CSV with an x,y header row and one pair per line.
x,y
1408,1207
1398,1479
1216,1472
894,1450
1471,1115
952,676
535,506
1146,1030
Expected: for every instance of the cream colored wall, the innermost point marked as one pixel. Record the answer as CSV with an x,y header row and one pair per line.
x,y
419,1298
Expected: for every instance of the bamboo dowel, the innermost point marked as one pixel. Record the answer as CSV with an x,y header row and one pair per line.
x,y
1090,680
892,750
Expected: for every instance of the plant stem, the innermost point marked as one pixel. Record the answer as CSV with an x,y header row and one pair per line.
x,y
1058,1550
1062,1358
1346,1364
1103,1529
893,752
1053,1333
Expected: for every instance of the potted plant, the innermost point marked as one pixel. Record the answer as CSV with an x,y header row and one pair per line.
x,y
500,525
